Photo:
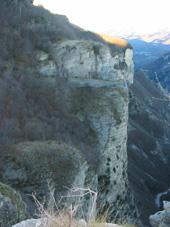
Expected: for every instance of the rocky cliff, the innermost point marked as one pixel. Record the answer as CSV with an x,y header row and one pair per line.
x,y
64,111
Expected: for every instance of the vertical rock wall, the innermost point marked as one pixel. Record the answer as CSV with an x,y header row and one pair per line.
x,y
99,97
87,145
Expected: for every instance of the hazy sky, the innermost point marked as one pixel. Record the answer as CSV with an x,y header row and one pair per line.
x,y
141,16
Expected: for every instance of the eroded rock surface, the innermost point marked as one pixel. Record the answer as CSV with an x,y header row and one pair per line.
x,y
96,95
99,97
64,96
161,218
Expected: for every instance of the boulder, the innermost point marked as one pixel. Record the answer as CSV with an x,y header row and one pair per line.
x,y
161,218
166,205
30,223
41,223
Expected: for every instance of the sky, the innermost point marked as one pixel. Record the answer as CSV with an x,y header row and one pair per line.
x,y
118,16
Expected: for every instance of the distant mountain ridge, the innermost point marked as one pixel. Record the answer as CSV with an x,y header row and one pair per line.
x,y
147,47
152,54
162,37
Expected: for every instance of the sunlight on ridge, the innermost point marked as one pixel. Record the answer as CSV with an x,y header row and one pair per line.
x,y
114,40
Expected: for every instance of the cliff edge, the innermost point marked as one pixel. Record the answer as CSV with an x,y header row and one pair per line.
x,y
64,110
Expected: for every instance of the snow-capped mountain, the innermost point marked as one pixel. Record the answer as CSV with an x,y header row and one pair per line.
x,y
162,37
149,47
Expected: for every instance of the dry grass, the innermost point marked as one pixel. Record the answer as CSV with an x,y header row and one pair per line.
x,y
55,218
61,220
67,219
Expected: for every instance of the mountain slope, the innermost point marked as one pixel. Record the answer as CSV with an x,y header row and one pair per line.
x,y
148,142
159,71
147,52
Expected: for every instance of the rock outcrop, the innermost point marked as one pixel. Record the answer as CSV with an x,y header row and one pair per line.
x,y
30,223
97,96
64,96
161,218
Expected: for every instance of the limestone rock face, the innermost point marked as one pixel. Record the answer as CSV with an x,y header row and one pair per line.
x,y
94,95
161,218
87,60
99,97
64,111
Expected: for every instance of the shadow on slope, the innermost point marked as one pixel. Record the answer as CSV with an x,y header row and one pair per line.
x,y
148,143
